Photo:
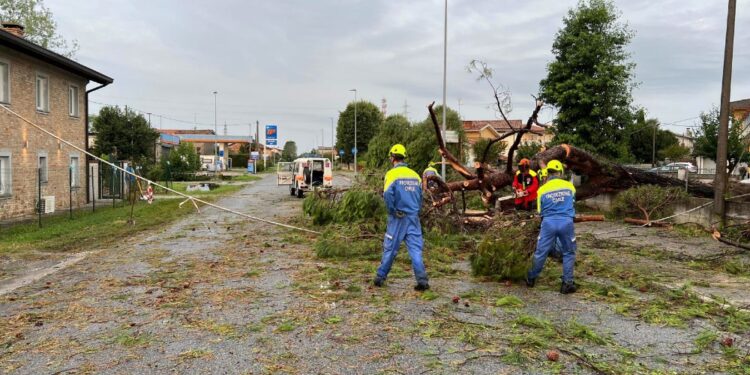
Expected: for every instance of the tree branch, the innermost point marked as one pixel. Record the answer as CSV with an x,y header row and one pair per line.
x,y
460,168
519,135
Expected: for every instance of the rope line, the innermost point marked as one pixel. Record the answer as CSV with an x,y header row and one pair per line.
x,y
658,220
192,198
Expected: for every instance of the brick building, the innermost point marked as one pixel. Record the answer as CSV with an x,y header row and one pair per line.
x,y
50,91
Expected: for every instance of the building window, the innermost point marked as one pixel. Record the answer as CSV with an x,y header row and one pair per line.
x,y
4,82
73,101
5,175
43,168
74,181
42,93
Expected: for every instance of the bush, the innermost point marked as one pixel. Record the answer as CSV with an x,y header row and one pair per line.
x,y
648,201
505,254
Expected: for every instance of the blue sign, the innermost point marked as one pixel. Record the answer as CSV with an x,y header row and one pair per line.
x,y
272,135
341,152
251,167
354,151
221,153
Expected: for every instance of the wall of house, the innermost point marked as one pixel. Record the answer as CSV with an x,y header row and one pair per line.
x,y
14,133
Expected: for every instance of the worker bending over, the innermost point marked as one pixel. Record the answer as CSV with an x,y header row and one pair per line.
x,y
525,185
556,204
403,199
429,171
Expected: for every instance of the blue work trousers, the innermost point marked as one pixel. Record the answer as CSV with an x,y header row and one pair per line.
x,y
556,232
404,229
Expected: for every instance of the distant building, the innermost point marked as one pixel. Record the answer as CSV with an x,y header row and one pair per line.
x,y
491,129
49,90
740,110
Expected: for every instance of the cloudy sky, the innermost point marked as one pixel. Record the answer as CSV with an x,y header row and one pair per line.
x,y
293,63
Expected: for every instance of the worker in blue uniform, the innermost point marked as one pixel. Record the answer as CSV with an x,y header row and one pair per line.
x,y
556,204
403,199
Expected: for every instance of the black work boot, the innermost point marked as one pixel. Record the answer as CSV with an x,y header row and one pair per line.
x,y
530,282
378,282
421,287
567,287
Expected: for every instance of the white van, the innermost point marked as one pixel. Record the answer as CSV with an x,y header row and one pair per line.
x,y
310,174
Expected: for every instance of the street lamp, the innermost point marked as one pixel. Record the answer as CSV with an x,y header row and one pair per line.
x,y
445,67
216,144
356,151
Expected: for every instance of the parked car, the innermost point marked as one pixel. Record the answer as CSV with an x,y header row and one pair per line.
x,y
673,167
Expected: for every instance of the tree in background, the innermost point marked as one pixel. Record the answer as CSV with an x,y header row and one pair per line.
x,y
706,139
422,144
183,160
493,155
289,153
393,131
39,25
590,80
675,152
125,133
369,119
640,138
527,150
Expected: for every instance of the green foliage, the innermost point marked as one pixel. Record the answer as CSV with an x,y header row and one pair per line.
x,y
706,139
497,149
505,254
369,120
39,25
648,201
509,301
527,150
705,339
590,80
640,138
422,146
125,133
356,206
289,153
675,152
395,129
360,205
182,161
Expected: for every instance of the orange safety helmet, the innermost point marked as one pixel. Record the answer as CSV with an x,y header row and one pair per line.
x,y
524,163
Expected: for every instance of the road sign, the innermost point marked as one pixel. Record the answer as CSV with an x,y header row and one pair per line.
x,y
272,135
255,155
451,136
341,152
221,153
354,151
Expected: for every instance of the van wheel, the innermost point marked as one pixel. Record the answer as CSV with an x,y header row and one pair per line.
x,y
300,193
291,191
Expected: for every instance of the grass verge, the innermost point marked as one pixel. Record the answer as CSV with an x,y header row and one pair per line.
x,y
86,229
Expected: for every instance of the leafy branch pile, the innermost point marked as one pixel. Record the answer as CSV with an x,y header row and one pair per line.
x,y
355,222
505,252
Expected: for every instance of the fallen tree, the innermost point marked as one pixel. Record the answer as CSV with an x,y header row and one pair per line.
x,y
599,176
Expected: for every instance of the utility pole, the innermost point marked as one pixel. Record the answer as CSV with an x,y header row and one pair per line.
x,y
720,180
216,145
653,146
355,151
445,68
406,109
333,147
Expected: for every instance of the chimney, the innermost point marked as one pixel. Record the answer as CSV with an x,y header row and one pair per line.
x,y
13,28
